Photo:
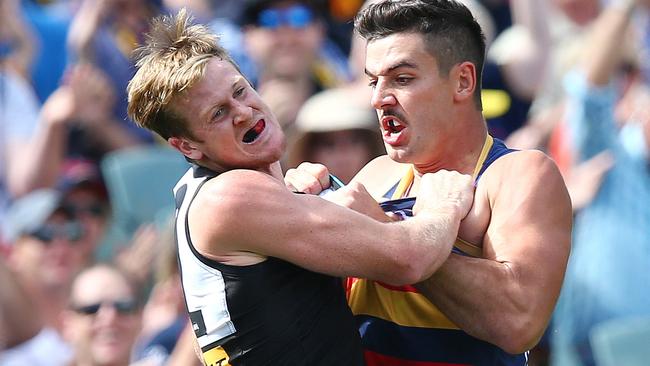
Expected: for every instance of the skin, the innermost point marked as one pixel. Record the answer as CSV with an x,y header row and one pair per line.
x,y
104,338
521,215
344,152
267,219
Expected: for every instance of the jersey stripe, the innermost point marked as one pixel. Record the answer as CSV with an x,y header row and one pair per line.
x,y
402,307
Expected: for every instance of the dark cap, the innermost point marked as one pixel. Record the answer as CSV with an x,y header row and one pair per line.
x,y
77,173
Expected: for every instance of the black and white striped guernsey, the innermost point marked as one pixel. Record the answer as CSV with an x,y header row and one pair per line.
x,y
270,313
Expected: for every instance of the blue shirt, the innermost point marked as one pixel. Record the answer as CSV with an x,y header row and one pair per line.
x,y
609,267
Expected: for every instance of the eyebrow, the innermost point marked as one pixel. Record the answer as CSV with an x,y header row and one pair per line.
x,y
407,64
209,111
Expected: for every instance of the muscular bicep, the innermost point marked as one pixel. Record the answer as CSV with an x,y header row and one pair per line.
x,y
261,216
530,228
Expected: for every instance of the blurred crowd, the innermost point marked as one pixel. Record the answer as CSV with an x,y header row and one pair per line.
x,y
88,272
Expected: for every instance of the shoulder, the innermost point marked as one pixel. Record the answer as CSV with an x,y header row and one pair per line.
x,y
526,175
231,189
526,163
380,174
228,205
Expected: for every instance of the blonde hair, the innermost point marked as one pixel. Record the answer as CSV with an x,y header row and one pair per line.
x,y
173,58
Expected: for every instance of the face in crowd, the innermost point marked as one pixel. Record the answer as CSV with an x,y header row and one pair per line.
x,y
285,39
51,252
103,319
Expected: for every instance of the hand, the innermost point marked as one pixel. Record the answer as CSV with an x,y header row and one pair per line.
x,y
307,178
355,197
445,190
93,93
59,108
137,259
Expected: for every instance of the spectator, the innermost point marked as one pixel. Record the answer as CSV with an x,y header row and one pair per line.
x,y
44,259
344,140
610,257
294,59
84,194
103,317
105,33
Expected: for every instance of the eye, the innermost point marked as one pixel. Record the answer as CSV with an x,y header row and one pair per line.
x,y
239,92
372,83
403,80
218,113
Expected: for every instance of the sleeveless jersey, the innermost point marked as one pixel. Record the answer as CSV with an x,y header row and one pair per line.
x,y
400,327
269,313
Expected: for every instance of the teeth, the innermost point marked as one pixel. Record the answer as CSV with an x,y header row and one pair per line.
x,y
393,123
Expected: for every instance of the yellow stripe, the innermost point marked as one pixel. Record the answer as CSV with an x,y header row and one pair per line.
x,y
403,308
407,180
216,357
404,184
468,248
487,145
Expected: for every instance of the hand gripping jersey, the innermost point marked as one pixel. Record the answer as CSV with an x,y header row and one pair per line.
x,y
400,327
270,313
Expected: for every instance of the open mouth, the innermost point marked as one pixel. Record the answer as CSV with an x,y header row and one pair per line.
x,y
392,125
252,134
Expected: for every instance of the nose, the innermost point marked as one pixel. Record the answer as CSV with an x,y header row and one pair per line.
x,y
241,113
107,313
382,97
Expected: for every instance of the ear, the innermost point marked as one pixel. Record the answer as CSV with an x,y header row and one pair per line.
x,y
186,147
466,82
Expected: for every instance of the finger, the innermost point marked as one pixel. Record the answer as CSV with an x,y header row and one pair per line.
x,y
300,181
318,171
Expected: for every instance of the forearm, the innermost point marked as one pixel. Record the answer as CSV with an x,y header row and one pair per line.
x,y
526,71
430,238
17,315
484,298
42,164
22,56
111,135
608,32
83,29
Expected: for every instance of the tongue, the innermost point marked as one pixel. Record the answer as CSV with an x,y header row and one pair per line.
x,y
254,132
259,127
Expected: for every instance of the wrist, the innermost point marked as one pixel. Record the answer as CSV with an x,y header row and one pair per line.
x,y
450,211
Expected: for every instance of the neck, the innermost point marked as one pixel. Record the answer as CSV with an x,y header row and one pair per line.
x,y
460,151
273,169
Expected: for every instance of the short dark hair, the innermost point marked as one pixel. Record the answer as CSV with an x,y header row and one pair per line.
x,y
449,29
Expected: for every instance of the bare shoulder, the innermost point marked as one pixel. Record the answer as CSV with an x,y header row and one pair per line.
x,y
531,166
527,178
237,191
219,211
380,174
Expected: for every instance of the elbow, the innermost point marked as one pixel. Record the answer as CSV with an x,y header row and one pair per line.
x,y
519,335
408,269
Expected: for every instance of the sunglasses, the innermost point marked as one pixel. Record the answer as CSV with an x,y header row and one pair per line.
x,y
95,209
71,231
122,307
297,16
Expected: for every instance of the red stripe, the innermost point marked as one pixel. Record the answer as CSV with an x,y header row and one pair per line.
x,y
376,359
407,288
